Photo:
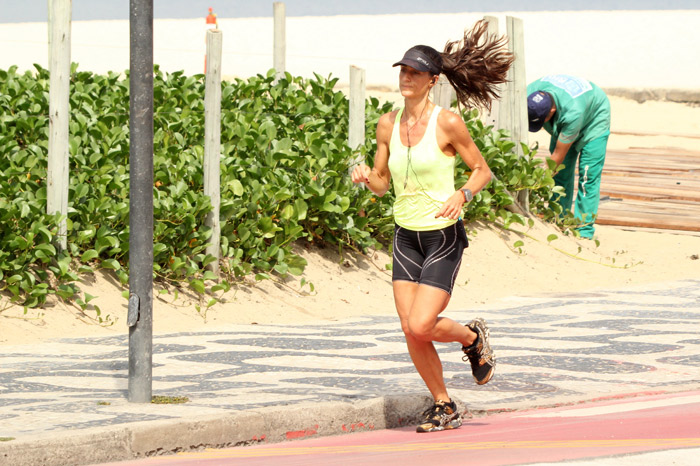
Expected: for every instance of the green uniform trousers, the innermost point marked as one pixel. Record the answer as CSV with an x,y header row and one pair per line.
x,y
590,169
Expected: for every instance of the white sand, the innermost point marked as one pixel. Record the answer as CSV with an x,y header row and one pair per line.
x,y
630,49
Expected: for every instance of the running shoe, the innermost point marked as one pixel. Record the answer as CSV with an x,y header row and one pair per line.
x,y
479,353
441,416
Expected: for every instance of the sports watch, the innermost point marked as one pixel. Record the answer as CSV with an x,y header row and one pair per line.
x,y
468,196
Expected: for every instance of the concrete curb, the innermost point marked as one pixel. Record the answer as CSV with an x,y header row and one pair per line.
x,y
152,438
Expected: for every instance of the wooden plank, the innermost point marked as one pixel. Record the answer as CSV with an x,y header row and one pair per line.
x,y
659,181
664,151
691,210
660,193
648,133
657,162
664,224
625,213
652,171
653,177
657,188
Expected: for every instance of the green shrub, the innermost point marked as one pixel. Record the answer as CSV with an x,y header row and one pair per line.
x,y
284,178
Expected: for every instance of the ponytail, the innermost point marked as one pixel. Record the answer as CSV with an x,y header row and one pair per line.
x,y
477,65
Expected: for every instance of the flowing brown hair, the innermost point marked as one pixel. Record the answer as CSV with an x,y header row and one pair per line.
x,y
477,65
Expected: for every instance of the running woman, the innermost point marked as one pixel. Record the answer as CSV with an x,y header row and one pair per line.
x,y
417,147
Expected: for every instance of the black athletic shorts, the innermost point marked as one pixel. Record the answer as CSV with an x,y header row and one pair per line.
x,y
429,257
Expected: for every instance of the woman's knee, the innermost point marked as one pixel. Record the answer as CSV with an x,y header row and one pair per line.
x,y
421,328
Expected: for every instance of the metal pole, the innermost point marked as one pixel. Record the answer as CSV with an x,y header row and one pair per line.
x,y
140,316
212,142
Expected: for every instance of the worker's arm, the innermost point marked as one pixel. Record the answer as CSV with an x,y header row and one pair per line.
x,y
560,151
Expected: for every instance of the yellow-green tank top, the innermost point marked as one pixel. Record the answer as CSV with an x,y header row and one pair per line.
x,y
423,178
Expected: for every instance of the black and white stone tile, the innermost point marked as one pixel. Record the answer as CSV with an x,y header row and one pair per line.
x,y
548,348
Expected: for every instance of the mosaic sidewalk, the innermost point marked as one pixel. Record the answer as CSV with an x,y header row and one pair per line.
x,y
550,350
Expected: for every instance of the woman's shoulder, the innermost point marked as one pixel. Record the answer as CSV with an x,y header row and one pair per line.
x,y
448,119
386,121
389,116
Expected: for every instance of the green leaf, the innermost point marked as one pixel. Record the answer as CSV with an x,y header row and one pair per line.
x,y
89,255
111,264
237,188
47,248
65,291
551,237
198,286
301,208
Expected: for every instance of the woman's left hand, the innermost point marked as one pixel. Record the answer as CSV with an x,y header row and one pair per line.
x,y
452,208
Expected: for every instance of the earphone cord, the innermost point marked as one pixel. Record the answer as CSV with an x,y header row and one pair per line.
x,y
408,141
435,202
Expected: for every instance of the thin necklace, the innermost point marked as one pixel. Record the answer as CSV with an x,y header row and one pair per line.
x,y
408,141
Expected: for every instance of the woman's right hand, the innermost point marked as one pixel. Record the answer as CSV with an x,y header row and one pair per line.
x,y
360,174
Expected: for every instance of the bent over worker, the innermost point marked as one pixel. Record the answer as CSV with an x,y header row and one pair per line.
x,y
576,113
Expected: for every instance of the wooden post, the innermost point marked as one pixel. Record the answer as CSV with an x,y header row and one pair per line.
x,y
59,113
443,93
491,118
212,141
356,126
518,93
505,116
280,40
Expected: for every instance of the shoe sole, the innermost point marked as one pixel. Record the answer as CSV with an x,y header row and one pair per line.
x,y
487,343
453,424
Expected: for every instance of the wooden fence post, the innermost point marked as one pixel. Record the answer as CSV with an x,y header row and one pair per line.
x,y
59,113
356,125
280,40
491,118
518,103
512,114
443,93
212,142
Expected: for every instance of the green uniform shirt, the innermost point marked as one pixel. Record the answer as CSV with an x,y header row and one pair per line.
x,y
583,110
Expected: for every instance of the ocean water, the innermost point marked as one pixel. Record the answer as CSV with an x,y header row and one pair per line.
x,y
14,11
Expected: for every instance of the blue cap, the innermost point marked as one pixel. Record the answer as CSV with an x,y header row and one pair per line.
x,y
539,104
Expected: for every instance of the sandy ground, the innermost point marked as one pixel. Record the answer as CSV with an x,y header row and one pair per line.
x,y
354,285
628,49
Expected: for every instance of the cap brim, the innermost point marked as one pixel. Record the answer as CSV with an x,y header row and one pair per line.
x,y
416,65
535,126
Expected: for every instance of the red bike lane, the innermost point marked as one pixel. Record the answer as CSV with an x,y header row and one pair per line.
x,y
589,430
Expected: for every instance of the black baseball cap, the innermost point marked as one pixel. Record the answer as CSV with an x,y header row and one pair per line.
x,y
539,103
416,58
